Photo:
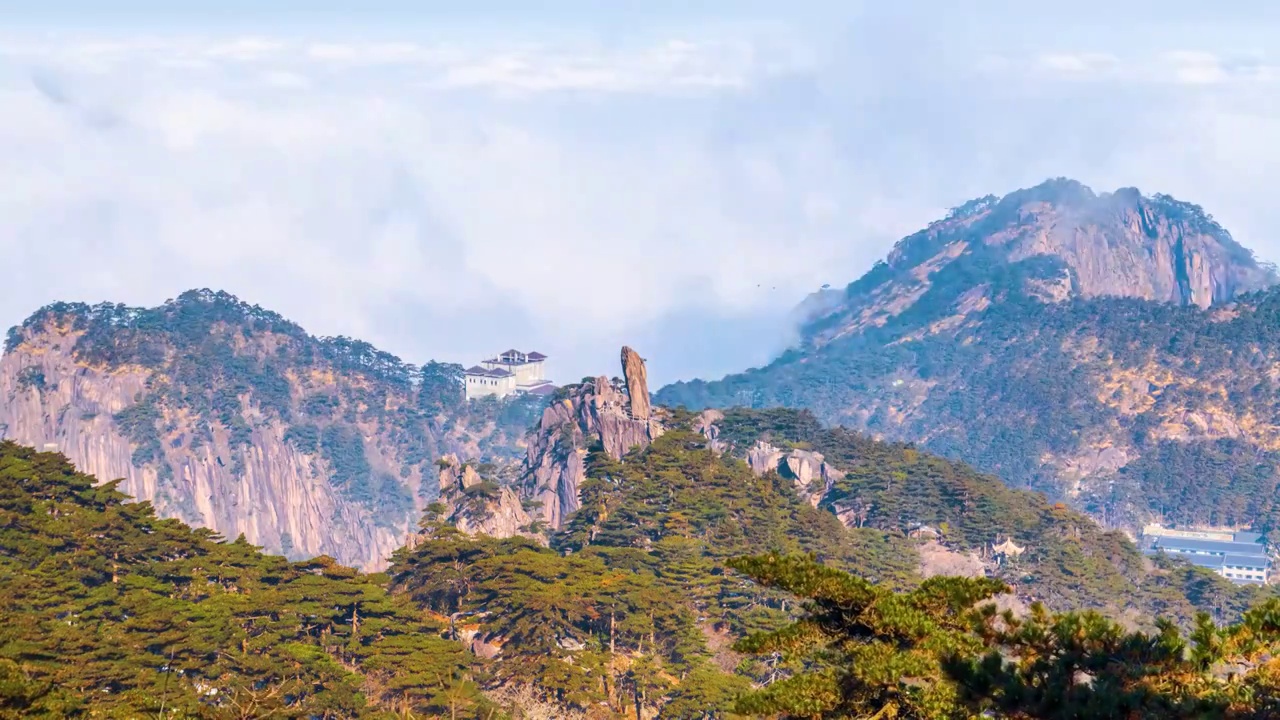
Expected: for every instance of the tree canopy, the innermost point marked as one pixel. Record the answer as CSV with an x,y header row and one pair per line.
x,y
942,652
111,611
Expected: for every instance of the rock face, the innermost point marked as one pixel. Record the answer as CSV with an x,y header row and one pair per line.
x,y
705,425
1068,242
812,476
594,411
479,507
228,417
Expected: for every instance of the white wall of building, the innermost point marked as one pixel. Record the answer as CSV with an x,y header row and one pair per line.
x,y
478,386
1244,573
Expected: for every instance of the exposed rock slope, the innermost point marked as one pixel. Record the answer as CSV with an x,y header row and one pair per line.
x,y
1068,341
480,506
229,417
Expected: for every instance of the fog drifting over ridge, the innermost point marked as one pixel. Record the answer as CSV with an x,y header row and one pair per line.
x,y
676,187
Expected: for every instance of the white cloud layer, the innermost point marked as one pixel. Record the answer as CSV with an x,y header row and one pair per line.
x,y
447,198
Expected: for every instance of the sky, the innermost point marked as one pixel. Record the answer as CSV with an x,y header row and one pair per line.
x,y
447,179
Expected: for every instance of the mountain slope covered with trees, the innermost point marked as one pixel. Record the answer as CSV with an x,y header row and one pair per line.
x,y
1030,336
112,612
643,606
228,416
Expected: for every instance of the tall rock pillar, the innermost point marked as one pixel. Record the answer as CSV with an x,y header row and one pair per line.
x,y
637,383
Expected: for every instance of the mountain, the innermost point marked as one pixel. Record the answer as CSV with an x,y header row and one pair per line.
x,y
1055,241
229,417
1117,350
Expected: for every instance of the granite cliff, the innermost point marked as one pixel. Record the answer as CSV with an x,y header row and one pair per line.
x,y
229,417
1117,351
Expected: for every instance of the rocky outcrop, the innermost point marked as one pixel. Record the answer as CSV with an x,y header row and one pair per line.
x,y
596,411
763,457
705,425
480,507
812,476
937,559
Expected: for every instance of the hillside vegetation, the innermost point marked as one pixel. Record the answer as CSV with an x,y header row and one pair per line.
x,y
943,652
1069,562
634,611
112,612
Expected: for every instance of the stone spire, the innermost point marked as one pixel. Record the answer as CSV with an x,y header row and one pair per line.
x,y
637,383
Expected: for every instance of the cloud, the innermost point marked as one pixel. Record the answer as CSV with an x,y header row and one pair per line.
x,y
447,197
1085,63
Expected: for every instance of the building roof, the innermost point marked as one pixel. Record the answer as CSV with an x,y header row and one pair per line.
x,y
1213,562
1248,537
1247,561
485,372
515,355
1218,547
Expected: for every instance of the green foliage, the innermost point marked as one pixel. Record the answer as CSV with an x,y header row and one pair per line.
x,y
138,423
596,626
1069,563
31,377
112,612
441,387
941,652
621,607
1023,386
677,498
1221,483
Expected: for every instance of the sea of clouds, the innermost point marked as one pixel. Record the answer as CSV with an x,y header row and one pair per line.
x,y
447,195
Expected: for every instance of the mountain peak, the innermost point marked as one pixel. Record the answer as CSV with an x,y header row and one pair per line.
x,y
1054,241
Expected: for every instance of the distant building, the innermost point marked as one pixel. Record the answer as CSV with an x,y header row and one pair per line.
x,y
509,373
1241,557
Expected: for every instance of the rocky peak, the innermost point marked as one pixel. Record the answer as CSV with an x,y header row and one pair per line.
x,y
454,475
1052,242
596,411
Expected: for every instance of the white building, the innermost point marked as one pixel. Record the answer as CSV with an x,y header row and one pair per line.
x,y
509,373
1241,557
